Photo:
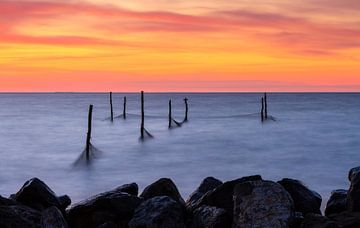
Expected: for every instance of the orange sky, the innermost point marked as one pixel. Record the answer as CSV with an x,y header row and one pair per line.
x,y
178,45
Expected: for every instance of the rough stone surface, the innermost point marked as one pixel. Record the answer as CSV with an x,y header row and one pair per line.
x,y
262,203
353,171
305,200
7,202
346,219
132,189
159,212
337,202
36,194
210,217
206,185
317,221
115,207
52,218
19,216
163,187
353,197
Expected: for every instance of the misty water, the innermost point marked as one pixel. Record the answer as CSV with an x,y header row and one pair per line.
x,y
315,138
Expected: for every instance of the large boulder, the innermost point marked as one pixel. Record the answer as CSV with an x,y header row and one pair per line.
x,y
346,219
19,216
222,196
7,202
353,171
260,203
163,187
337,202
52,218
159,212
206,185
305,200
132,189
353,196
317,221
210,217
108,207
36,194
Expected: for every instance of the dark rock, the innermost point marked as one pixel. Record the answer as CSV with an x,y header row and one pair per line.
x,y
337,202
305,200
298,219
353,196
346,219
159,212
108,225
19,216
7,202
317,221
353,171
206,185
222,196
163,187
36,194
259,203
64,201
52,218
210,217
116,207
132,189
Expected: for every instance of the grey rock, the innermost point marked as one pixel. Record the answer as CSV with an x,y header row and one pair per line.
x,y
353,171
206,185
132,189
353,196
159,212
52,218
337,202
210,217
19,216
262,204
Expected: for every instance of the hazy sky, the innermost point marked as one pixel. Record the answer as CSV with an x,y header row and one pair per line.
x,y
173,45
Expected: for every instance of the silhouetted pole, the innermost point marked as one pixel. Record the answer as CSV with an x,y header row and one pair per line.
x,y
186,109
88,138
265,101
262,109
170,114
142,115
124,109
111,108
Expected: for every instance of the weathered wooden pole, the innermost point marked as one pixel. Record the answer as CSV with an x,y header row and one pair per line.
x,y
186,109
88,137
111,108
265,101
124,108
142,115
170,118
262,109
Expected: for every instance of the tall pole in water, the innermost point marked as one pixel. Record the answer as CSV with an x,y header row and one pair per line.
x,y
111,108
88,138
170,113
142,115
265,101
262,109
186,109
124,109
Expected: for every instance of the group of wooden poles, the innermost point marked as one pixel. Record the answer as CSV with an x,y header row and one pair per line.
x,y
143,131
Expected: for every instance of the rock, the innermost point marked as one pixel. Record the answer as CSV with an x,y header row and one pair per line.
x,y
36,194
115,207
337,202
7,202
132,189
210,217
52,218
305,200
19,216
222,196
206,185
353,171
259,203
159,212
317,221
108,225
353,196
298,219
163,187
64,201
346,219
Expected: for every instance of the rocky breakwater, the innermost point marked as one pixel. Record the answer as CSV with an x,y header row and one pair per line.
x,y
244,202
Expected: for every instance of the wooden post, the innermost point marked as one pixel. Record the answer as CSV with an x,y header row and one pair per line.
x,y
170,118
186,109
265,101
88,138
111,108
262,109
124,109
142,115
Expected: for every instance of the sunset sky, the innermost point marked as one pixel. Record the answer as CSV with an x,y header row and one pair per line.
x,y
179,45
